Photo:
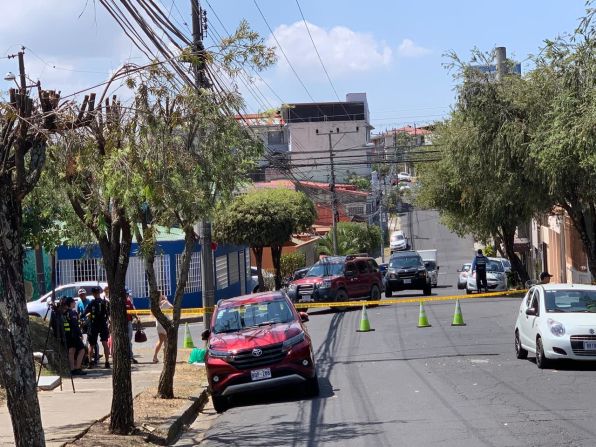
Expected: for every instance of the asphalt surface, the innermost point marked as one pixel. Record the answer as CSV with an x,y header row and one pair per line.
x,y
401,385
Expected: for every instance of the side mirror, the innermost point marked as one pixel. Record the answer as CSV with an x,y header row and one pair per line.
x,y
438,267
530,311
303,317
350,274
459,270
205,335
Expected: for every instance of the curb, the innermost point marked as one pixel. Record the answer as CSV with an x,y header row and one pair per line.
x,y
167,433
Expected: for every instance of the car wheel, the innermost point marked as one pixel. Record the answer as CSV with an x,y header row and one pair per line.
x,y
388,292
340,296
220,403
311,387
427,290
520,352
468,291
541,361
375,293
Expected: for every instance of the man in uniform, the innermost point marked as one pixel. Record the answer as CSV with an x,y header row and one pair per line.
x,y
74,338
479,265
98,326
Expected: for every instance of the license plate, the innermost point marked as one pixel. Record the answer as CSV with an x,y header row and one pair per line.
x,y
407,281
590,345
261,374
305,298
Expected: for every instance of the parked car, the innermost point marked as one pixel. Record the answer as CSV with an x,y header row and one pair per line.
x,y
339,278
383,268
557,321
496,278
462,279
406,272
39,307
398,241
404,177
506,264
257,343
429,257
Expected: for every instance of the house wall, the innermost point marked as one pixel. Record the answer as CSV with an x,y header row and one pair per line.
x,y
308,248
308,147
231,266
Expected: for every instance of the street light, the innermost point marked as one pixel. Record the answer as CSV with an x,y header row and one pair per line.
x,y
10,76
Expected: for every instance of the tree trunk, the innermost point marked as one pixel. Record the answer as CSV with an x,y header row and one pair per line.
x,y
276,258
40,272
516,263
258,252
584,221
16,357
165,389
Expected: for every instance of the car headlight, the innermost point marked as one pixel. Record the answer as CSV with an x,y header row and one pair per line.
x,y
287,345
556,327
292,287
224,355
325,284
422,273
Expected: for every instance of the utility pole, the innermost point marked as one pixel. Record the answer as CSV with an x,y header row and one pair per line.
x,y
501,58
335,216
199,26
383,190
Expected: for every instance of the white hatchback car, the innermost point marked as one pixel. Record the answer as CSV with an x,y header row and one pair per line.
x,y
557,321
39,307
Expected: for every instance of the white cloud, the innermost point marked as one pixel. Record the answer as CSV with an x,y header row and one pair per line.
x,y
343,50
408,48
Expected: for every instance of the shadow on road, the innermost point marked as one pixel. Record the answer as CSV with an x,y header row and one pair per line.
x,y
569,365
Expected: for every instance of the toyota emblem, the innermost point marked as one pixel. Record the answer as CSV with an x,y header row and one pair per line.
x,y
592,331
257,352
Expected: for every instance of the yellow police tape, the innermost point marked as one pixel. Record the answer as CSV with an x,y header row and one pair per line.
x,y
384,302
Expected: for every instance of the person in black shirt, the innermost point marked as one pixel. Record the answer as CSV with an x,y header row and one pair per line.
x,y
479,265
74,337
98,311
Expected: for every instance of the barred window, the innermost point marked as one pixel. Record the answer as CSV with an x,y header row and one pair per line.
x,y
221,271
193,284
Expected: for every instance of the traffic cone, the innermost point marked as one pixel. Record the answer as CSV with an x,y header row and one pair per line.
x,y
188,343
364,323
422,319
458,319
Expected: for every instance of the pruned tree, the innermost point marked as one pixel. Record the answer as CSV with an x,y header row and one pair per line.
x,y
352,238
265,218
25,128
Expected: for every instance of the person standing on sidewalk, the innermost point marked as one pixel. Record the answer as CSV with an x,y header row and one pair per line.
x,y
479,265
98,312
74,338
129,318
164,304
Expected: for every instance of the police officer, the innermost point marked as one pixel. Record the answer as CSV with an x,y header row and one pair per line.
x,y
479,265
74,337
98,312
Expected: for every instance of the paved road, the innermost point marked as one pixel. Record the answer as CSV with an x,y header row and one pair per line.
x,y
400,385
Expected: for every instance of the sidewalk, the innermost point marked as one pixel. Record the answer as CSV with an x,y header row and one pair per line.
x,y
65,415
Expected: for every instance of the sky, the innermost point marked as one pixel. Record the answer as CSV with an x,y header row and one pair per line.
x,y
391,49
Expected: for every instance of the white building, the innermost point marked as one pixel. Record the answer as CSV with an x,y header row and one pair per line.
x,y
313,127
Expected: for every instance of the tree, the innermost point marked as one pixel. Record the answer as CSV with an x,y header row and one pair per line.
x,y
486,183
352,238
291,262
361,183
265,218
564,139
25,126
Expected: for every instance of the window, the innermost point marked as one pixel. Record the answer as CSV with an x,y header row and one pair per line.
x,y
275,137
351,267
221,271
356,210
233,269
237,318
536,302
362,267
193,283
372,264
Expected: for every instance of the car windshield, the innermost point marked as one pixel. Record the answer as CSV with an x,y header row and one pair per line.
x,y
494,266
326,269
403,262
237,318
570,301
430,265
397,237
466,267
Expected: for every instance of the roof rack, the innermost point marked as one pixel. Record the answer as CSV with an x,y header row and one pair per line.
x,y
357,255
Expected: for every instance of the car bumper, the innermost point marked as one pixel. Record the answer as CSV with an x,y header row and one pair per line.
x,y
226,380
495,286
568,347
322,295
397,284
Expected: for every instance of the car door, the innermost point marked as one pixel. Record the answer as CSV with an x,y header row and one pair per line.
x,y
351,279
364,278
527,327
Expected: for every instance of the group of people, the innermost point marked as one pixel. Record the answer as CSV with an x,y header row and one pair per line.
x,y
86,323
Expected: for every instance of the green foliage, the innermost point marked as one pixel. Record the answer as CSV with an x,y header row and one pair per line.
x,y
361,183
352,237
490,251
291,262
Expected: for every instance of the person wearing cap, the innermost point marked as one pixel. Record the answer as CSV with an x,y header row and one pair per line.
x,y
545,277
98,312
129,319
74,338
81,306
479,266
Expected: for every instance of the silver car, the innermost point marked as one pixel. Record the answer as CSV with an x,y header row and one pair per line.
x,y
496,277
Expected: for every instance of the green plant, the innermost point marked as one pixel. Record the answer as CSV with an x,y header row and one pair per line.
x,y
291,262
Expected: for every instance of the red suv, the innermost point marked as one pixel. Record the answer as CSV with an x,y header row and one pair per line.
x,y
258,342
339,278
